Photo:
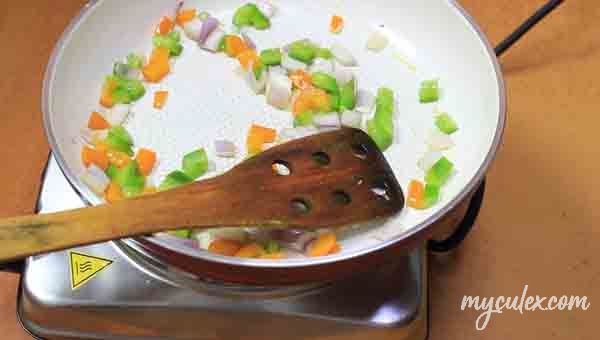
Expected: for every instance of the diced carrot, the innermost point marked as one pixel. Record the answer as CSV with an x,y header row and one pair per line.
x,y
336,249
154,73
185,15
92,156
337,24
312,99
251,250
101,146
273,256
159,55
165,25
416,195
257,136
160,98
150,190
106,99
322,245
224,247
146,160
247,58
97,122
118,158
301,79
234,45
113,193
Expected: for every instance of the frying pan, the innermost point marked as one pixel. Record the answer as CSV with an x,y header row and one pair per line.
x,y
208,101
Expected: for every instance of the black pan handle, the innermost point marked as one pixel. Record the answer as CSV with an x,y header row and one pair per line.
x,y
464,227
13,267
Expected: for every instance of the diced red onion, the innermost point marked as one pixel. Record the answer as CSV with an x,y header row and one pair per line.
x,y
267,8
295,239
257,85
193,29
208,26
214,40
331,120
248,40
225,148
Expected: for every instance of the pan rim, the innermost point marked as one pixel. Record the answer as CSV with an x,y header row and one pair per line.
x,y
410,233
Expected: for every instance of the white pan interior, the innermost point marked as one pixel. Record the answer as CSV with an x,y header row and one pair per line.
x,y
209,101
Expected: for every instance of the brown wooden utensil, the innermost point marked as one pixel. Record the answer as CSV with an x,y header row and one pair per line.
x,y
331,179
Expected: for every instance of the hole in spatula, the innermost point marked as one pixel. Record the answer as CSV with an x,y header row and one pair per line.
x,y
360,151
281,168
300,206
381,190
321,158
341,197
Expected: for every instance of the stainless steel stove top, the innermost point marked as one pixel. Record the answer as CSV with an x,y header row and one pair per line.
x,y
136,298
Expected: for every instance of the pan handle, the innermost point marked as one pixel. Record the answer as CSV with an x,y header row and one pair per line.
x,y
12,267
464,227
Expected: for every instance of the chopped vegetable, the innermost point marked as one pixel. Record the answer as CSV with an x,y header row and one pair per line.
x,y
118,158
93,136
337,24
90,156
208,26
127,90
247,58
271,57
185,15
181,233
113,193
279,91
342,74
303,51
250,15
291,64
324,53
158,67
267,8
438,140
174,179
256,78
304,119
322,245
106,99
215,41
381,127
325,82
352,119
252,250
96,179
193,29
322,65
347,95
195,163
277,70
224,247
165,25
272,256
118,114
171,42
416,195
439,172
429,91
249,42
273,247
336,249
225,148
257,136
120,69
97,122
335,102
234,45
312,99
120,140
301,79
428,160
112,171
431,195
135,61
342,55
331,120
377,41
146,160
131,180
203,15
446,124
160,98
365,101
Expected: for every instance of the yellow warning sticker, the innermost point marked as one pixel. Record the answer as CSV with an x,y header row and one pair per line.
x,y
85,267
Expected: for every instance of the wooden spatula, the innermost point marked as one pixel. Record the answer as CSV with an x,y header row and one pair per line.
x,y
326,180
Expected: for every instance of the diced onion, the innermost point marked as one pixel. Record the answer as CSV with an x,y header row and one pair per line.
x,y
377,41
294,239
96,179
292,64
342,55
117,114
208,26
93,136
193,29
365,101
342,74
225,148
267,8
438,141
428,160
214,40
257,85
331,120
278,69
352,119
322,65
279,91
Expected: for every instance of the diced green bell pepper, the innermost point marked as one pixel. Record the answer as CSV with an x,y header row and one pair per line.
x,y
120,69
119,139
347,95
429,91
303,51
271,57
334,100
171,41
260,21
439,172
195,163
181,233
381,138
324,53
112,171
135,61
272,247
381,127
304,119
446,124
258,70
173,180
431,195
244,15
127,90
326,82
130,179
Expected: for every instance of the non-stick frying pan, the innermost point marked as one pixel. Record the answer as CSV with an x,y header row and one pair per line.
x,y
429,39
